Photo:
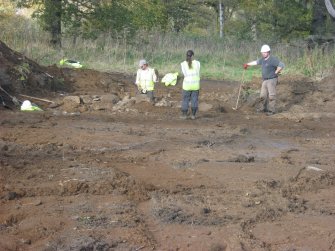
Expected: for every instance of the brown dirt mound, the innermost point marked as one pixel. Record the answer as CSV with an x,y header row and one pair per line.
x,y
21,75
296,96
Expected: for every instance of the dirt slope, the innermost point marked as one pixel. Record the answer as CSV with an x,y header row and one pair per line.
x,y
105,169
21,75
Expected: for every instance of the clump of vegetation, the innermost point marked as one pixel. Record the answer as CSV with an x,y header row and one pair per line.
x,y
23,71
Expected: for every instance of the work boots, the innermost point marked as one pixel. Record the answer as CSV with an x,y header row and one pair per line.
x,y
194,111
183,115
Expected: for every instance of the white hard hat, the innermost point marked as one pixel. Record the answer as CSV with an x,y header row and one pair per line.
x,y
265,48
142,62
26,104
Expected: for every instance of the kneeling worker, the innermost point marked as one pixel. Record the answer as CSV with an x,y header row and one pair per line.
x,y
146,79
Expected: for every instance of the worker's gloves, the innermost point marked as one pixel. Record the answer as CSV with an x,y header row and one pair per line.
x,y
245,66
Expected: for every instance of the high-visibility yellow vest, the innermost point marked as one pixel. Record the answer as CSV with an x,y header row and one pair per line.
x,y
31,109
146,79
28,106
72,63
191,76
170,79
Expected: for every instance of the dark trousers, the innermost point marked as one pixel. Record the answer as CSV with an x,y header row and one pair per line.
x,y
188,96
150,94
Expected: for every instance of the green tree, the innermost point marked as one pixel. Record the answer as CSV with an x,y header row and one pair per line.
x,y
227,7
125,17
49,13
108,17
179,14
52,20
147,13
89,18
324,18
276,20
6,8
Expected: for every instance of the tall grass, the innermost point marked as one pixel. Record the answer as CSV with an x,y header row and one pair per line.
x,y
220,58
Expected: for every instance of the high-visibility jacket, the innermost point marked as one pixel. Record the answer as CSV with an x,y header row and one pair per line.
x,y
170,79
146,79
70,62
28,106
191,76
31,109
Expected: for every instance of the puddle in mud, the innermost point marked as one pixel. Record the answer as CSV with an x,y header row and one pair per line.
x,y
266,148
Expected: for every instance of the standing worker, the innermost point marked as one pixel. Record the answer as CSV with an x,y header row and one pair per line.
x,y
191,85
146,79
271,67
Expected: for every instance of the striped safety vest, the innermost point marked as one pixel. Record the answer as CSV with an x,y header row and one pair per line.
x,y
145,79
191,76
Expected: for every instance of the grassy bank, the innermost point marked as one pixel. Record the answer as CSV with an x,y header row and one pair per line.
x,y
220,59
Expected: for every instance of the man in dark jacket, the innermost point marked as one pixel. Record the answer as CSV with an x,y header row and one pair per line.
x,y
271,67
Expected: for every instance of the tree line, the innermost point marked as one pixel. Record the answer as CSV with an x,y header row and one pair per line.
x,y
270,20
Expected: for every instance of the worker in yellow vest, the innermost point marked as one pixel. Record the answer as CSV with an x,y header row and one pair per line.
x,y
146,79
191,85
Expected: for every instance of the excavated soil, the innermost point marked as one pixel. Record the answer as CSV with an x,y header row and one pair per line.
x,y
102,168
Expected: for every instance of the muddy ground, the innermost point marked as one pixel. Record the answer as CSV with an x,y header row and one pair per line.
x,y
101,168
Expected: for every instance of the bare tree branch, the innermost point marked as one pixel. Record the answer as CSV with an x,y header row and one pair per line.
x,y
330,8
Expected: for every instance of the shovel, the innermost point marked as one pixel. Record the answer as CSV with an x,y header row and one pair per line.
x,y
239,92
14,99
